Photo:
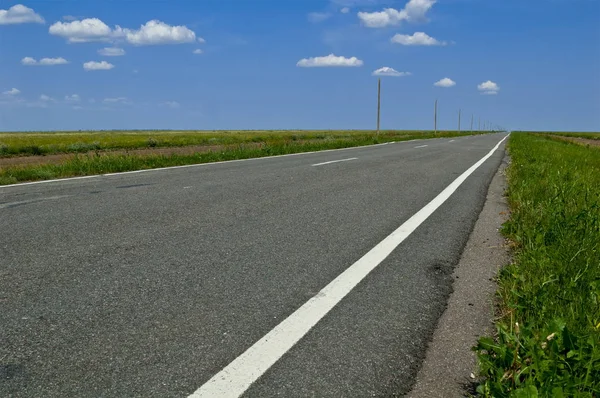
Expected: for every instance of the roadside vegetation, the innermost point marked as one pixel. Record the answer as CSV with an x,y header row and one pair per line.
x,y
45,143
548,331
589,135
88,153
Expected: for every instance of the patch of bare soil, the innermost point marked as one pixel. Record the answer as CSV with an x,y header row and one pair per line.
x,y
63,157
579,140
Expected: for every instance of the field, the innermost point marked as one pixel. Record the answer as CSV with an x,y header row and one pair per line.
x,y
588,135
590,139
548,331
47,155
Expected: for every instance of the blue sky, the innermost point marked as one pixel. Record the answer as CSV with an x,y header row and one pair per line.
x,y
298,64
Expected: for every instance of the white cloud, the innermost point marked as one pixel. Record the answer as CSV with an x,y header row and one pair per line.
x,y
416,39
345,10
197,51
18,14
12,91
201,40
387,71
413,11
93,65
111,52
72,98
69,18
151,33
44,61
488,87
46,98
445,82
329,60
117,100
380,19
416,10
53,61
316,17
172,104
86,30
28,61
157,32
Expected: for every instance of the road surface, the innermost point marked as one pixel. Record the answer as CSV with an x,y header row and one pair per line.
x,y
150,284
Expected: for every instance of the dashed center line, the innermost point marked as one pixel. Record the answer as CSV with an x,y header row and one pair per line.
x,y
451,140
421,146
334,161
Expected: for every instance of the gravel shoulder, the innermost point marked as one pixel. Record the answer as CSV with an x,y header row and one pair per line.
x,y
450,364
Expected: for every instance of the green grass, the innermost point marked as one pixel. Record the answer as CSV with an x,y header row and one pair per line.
x,y
43,143
589,135
548,340
234,146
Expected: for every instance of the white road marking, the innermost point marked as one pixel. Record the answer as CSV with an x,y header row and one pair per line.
x,y
422,146
24,202
334,161
451,140
236,378
194,165
47,181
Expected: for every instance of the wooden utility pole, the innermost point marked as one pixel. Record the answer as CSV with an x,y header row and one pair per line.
x,y
459,120
378,103
471,123
435,117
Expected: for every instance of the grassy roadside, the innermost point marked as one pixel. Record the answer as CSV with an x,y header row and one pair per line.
x,y
590,136
36,143
273,144
548,340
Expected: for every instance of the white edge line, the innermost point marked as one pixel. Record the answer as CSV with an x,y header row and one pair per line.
x,y
9,204
202,164
238,376
334,161
47,181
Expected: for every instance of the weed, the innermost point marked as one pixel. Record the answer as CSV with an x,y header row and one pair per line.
x,y
234,146
548,341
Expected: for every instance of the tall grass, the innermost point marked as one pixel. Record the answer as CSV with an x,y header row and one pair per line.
x,y
548,341
588,135
19,144
100,163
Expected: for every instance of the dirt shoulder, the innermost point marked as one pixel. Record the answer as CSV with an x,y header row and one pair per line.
x,y
450,364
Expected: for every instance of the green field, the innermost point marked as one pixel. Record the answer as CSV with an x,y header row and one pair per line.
x,y
588,135
548,332
95,156
44,143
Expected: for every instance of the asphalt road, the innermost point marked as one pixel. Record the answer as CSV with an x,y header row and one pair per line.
x,y
148,284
